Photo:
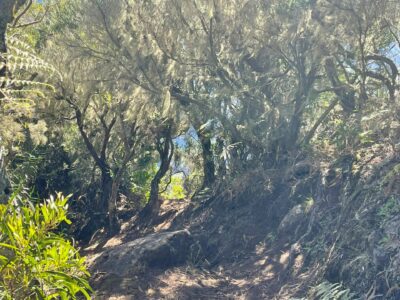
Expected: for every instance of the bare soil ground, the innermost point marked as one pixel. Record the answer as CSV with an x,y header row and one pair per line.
x,y
349,234
256,270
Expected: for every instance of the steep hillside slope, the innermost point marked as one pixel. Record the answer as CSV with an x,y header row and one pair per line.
x,y
269,235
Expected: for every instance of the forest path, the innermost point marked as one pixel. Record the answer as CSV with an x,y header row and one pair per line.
x,y
257,274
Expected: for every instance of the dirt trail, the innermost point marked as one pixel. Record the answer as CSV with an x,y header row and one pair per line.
x,y
257,274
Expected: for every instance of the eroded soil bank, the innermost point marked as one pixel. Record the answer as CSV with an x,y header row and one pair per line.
x,y
269,235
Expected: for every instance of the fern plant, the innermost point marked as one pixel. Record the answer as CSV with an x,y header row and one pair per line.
x,y
332,291
24,78
23,65
36,262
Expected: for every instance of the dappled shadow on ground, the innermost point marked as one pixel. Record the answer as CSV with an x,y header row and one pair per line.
x,y
133,229
230,260
241,250
255,277
260,275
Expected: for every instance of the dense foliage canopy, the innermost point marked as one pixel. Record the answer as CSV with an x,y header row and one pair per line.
x,y
98,91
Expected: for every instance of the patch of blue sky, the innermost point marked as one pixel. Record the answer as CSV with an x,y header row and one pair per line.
x,y
393,52
181,141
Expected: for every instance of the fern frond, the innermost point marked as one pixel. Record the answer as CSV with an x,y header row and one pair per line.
x,y
27,91
10,83
332,291
13,39
21,60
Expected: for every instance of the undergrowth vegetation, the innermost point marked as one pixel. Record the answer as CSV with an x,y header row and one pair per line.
x,y
36,261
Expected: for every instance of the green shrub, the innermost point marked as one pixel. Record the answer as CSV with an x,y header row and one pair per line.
x,y
36,262
175,188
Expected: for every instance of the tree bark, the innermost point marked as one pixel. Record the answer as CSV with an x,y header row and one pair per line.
x,y
113,222
208,160
305,84
100,160
321,119
343,91
106,188
165,149
114,225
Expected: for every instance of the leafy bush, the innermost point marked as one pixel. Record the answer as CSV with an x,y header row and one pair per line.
x,y
36,262
175,188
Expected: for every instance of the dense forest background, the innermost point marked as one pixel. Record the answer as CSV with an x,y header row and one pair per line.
x,y
290,106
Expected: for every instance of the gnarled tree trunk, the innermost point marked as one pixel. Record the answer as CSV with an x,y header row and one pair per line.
x,y
165,148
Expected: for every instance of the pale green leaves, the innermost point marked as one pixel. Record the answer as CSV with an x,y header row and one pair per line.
x,y
36,263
